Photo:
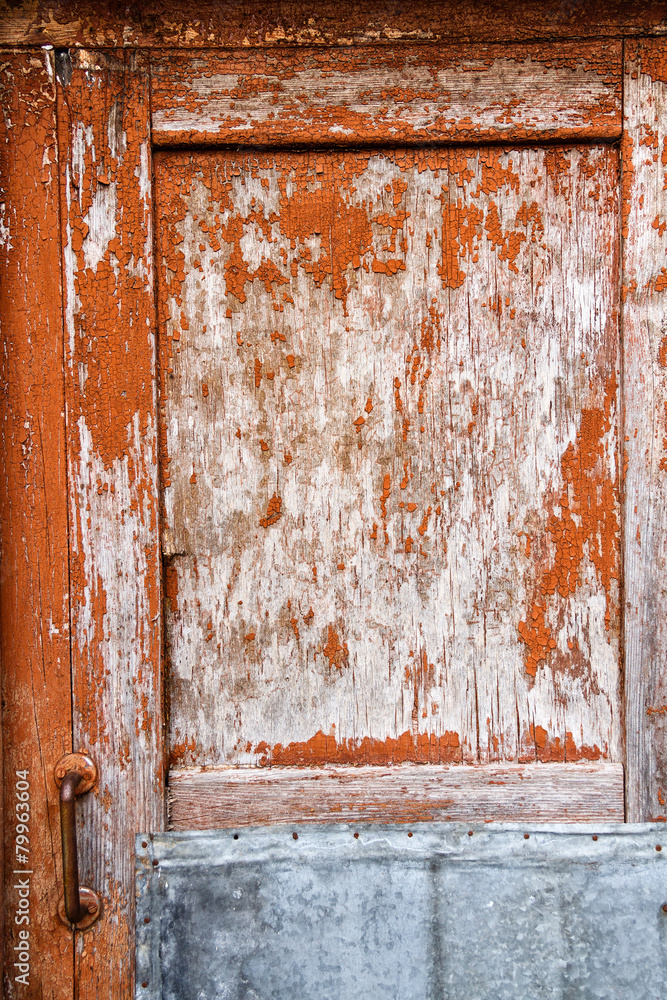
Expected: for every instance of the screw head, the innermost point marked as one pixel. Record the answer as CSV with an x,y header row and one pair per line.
x,y
93,906
664,907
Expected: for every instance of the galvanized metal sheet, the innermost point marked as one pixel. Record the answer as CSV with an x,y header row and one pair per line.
x,y
389,913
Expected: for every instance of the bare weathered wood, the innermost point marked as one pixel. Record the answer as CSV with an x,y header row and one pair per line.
x,y
536,793
420,94
390,453
34,605
203,23
111,408
644,212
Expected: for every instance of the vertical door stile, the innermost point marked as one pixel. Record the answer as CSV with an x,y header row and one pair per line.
x,y
644,225
104,132
34,598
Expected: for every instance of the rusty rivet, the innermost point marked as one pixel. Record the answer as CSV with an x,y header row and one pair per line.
x,y
526,836
409,833
658,847
595,836
295,836
236,836
156,863
356,836
470,832
664,907
144,985
144,843
147,920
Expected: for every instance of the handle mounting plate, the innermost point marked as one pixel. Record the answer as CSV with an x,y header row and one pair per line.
x,y
82,764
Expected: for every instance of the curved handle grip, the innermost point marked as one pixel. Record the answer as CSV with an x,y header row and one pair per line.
x,y
79,906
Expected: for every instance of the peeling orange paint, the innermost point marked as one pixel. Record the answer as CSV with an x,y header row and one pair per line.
x,y
178,751
587,527
377,93
273,511
651,58
335,653
538,744
627,181
322,749
35,607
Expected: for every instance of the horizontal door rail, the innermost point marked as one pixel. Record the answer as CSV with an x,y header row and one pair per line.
x,y
537,793
379,95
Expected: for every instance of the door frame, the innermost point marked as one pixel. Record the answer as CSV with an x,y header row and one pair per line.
x,y
80,585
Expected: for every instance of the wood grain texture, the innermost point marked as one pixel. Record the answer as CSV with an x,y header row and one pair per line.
x,y
421,94
535,793
189,24
34,606
645,400
111,407
390,453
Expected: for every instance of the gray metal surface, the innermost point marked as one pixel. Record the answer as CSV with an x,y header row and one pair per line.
x,y
439,915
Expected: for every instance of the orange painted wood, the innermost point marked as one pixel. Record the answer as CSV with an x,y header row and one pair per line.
x,y
419,94
390,440
34,605
536,793
111,441
188,24
644,218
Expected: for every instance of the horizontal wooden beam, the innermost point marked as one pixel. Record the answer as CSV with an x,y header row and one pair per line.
x,y
196,23
536,793
417,94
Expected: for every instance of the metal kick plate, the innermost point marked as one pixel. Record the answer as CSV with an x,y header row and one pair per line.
x,y
428,912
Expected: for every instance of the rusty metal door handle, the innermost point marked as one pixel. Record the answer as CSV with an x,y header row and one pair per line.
x,y
79,907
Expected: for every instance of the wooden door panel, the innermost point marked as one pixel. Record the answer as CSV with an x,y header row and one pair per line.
x,y
379,94
390,429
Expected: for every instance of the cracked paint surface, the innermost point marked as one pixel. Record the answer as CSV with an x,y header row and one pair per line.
x,y
645,439
382,94
263,23
110,375
385,570
34,586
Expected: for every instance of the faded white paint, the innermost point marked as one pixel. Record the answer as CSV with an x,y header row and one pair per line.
x,y
645,401
459,595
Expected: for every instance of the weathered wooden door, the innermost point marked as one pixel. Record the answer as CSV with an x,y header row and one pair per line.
x,y
357,459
